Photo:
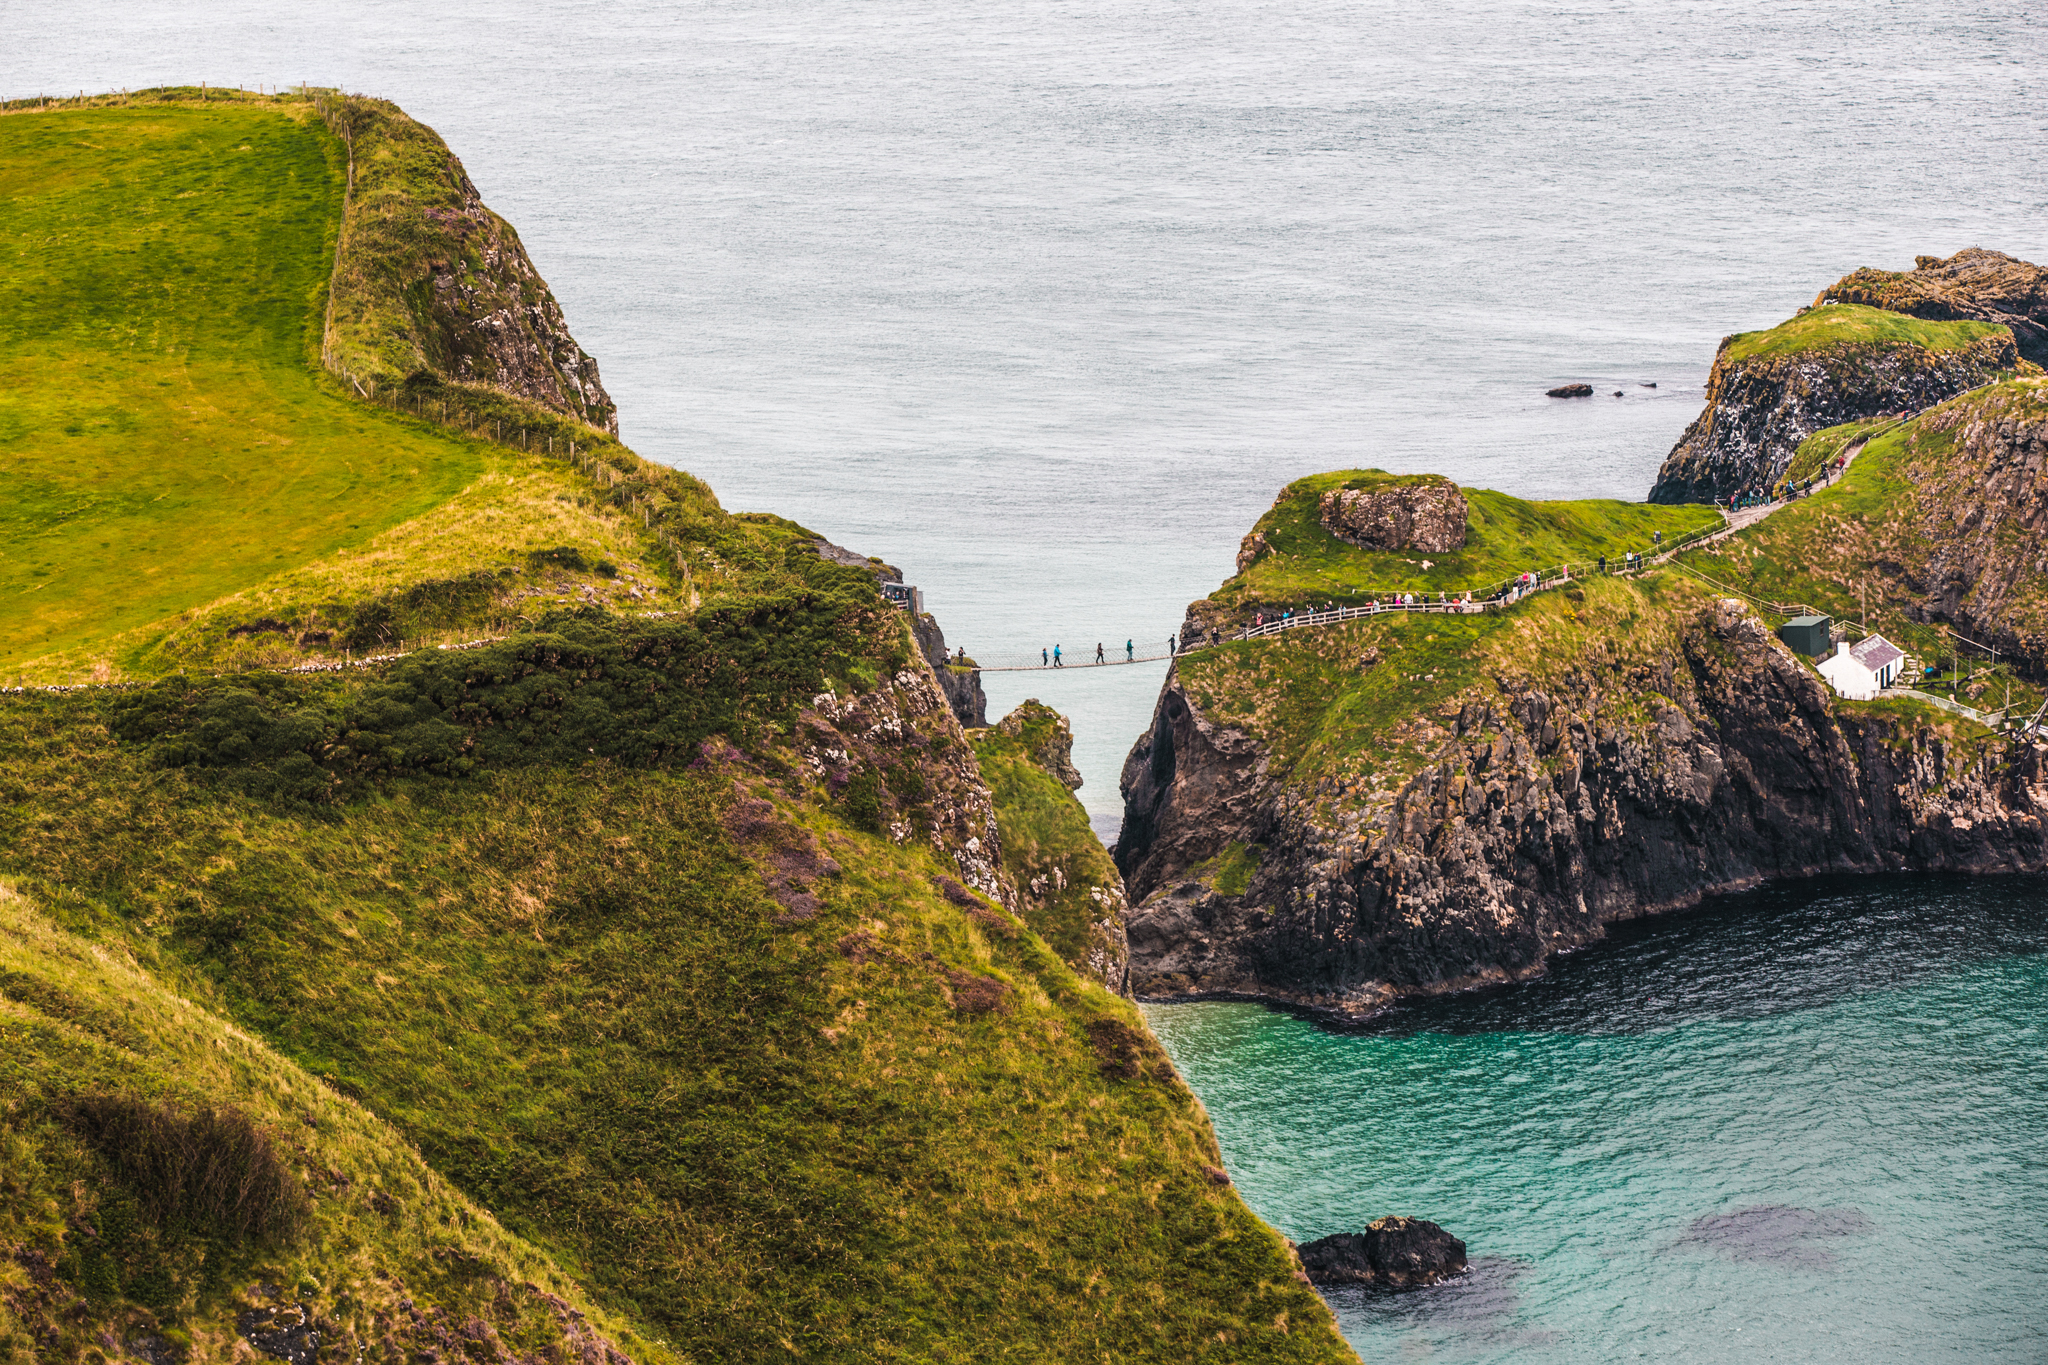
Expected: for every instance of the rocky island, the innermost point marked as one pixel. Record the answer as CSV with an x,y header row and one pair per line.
x,y
1426,800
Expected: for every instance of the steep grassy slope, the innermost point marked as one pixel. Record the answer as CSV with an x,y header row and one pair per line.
x,y
681,945
390,1258
1294,561
1938,522
855,1121
1069,890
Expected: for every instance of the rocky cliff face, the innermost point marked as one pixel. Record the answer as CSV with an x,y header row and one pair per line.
x,y
1759,410
1985,286
962,691
429,284
491,319
1544,816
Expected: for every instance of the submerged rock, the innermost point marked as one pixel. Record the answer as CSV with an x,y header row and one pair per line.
x,y
1776,1234
1570,391
1396,1252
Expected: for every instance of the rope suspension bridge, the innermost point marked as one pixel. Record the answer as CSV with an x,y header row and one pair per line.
x,y
1379,602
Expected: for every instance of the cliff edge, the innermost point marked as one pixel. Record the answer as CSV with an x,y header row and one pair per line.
x,y
1973,284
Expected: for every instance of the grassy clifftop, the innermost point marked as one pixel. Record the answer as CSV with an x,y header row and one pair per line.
x,y
164,441
668,938
1838,325
1936,522
1296,561
185,488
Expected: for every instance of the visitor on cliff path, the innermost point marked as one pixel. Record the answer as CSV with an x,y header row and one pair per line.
x,y
1172,645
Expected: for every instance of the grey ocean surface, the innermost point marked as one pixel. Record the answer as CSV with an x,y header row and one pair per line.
x,y
1044,302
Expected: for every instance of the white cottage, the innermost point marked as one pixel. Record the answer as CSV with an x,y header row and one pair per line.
x,y
1861,671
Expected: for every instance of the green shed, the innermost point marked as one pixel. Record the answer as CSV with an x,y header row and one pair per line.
x,y
1807,635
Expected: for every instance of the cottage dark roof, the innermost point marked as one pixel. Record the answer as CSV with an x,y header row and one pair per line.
x,y
1876,652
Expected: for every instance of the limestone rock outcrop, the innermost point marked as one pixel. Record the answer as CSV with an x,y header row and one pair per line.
x,y
1984,286
1427,513
1398,1253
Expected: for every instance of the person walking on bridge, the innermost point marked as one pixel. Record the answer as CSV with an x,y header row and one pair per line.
x,y
1098,652
1130,650
1056,656
1044,659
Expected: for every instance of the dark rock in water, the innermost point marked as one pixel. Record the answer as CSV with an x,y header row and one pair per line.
x,y
1570,391
1618,393
1397,1252
1650,385
1776,1234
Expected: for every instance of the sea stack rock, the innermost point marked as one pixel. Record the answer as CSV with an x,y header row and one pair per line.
x,y
1570,391
1398,1253
1426,512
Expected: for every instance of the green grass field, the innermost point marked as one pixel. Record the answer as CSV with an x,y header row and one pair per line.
x,y
165,438
1504,536
1852,324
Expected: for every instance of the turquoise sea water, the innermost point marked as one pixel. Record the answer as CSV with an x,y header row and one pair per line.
x,y
1804,1124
